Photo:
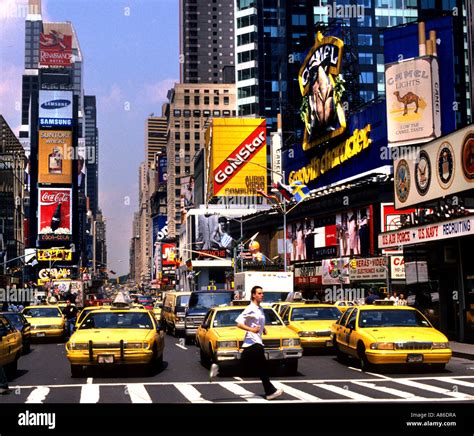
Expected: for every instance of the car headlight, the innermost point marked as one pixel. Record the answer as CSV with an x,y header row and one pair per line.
x,y
382,346
440,345
291,342
227,344
135,344
78,346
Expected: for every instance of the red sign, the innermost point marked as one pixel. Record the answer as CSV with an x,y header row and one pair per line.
x,y
54,214
55,49
168,254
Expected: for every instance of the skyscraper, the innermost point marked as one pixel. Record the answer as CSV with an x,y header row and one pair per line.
x,y
206,41
91,152
155,138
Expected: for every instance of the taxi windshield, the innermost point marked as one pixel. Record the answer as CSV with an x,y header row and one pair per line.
x,y
227,318
15,319
42,312
315,313
117,320
83,314
392,318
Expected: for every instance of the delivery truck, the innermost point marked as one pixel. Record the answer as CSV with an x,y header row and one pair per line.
x,y
275,284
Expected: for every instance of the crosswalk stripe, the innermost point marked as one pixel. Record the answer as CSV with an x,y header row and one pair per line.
x,y
38,395
296,392
242,393
455,381
387,390
90,393
138,393
190,393
341,391
434,389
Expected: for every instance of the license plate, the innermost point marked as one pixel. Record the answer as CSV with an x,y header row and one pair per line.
x,y
40,335
105,359
328,343
415,358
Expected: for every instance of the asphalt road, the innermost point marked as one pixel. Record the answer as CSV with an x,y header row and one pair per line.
x,y
44,377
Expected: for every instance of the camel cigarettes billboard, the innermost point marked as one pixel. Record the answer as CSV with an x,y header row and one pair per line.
x,y
413,101
55,156
443,167
236,157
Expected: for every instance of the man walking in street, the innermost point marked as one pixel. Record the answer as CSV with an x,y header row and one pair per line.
x,y
70,312
3,382
252,320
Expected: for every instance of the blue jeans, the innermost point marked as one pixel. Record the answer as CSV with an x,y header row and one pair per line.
x,y
3,379
70,326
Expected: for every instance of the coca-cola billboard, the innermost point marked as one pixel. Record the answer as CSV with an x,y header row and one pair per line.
x,y
54,214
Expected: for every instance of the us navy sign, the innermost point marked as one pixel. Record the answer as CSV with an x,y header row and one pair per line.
x,y
55,109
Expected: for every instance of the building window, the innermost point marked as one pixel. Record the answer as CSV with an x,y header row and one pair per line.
x,y
186,136
226,113
187,170
366,58
216,113
197,137
187,113
206,100
196,113
186,99
367,77
197,147
187,147
177,113
196,100
364,39
197,125
187,159
176,135
226,100
298,20
206,113
187,124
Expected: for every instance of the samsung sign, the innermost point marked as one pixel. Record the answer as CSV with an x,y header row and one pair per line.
x,y
55,108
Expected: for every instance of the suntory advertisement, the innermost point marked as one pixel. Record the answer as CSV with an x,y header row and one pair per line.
x,y
55,156
413,100
442,167
322,88
54,214
236,157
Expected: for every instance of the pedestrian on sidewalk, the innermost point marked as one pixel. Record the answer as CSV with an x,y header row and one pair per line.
x,y
252,320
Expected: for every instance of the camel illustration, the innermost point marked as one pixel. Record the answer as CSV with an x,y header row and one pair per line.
x,y
408,98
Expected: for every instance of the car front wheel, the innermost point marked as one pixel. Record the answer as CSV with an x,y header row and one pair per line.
x,y
363,361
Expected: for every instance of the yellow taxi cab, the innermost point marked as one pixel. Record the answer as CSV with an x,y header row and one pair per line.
x,y
46,321
116,335
386,334
10,345
63,304
219,339
280,306
343,305
157,307
312,323
83,313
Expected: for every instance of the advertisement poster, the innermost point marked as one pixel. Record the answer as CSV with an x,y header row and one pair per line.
x,y
213,237
236,157
372,268
187,192
54,214
168,254
354,234
55,49
81,169
160,232
336,271
161,168
397,267
55,156
55,108
416,272
391,219
322,88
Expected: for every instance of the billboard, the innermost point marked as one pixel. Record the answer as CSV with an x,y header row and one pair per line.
x,y
54,214
161,168
54,156
371,268
159,232
213,238
391,219
55,108
168,254
54,255
322,88
413,101
81,168
441,168
187,192
359,150
336,271
236,157
354,229
55,49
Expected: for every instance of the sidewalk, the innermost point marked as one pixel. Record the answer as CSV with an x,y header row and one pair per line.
x,y
466,351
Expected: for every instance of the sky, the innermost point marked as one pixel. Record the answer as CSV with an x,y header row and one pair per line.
x,y
131,59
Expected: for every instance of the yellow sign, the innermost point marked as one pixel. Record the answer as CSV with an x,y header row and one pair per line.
x,y
47,274
54,254
55,154
333,157
236,157
322,89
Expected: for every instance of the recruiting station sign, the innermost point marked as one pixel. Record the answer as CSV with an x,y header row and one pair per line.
x,y
55,156
54,214
236,157
443,167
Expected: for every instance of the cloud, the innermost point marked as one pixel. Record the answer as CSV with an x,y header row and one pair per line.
x,y
157,92
10,94
114,97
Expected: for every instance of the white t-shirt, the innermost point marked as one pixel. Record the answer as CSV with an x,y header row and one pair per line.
x,y
252,316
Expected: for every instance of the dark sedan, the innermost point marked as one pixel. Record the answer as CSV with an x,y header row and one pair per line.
x,y
22,325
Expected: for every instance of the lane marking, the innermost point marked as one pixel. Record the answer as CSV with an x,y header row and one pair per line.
x,y
311,381
38,395
138,393
387,390
239,379
181,346
296,392
344,392
242,393
434,389
456,382
190,393
89,380
90,394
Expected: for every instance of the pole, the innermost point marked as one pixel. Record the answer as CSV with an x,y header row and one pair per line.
x,y
93,247
284,228
241,245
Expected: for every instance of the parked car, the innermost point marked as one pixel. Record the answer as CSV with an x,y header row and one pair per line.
x,y
22,325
